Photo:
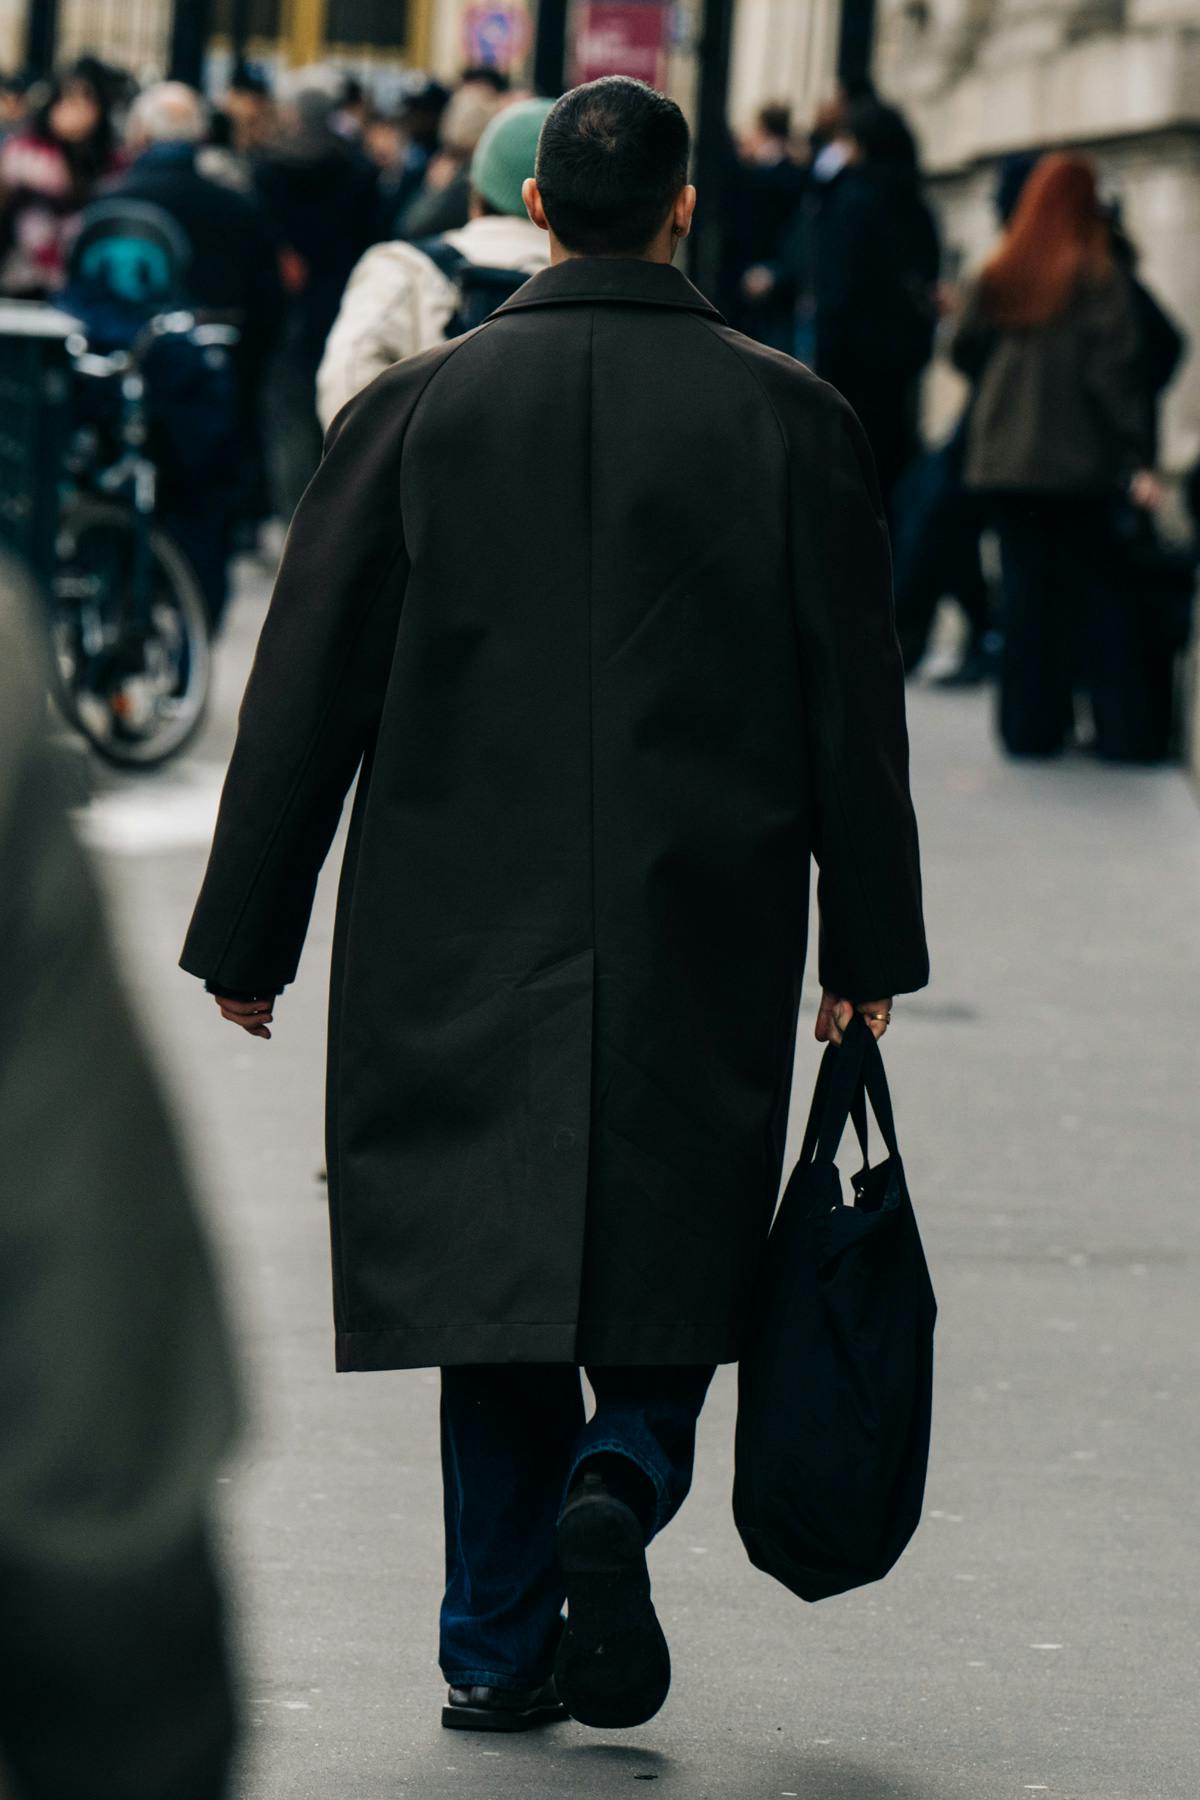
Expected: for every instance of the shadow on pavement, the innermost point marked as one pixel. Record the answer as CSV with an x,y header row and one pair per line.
x,y
849,1780
619,1759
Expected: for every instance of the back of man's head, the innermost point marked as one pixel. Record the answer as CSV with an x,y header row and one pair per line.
x,y
168,113
612,160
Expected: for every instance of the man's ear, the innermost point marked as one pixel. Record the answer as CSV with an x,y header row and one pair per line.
x,y
533,204
681,213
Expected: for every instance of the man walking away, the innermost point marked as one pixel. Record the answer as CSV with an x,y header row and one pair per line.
x,y
408,297
595,600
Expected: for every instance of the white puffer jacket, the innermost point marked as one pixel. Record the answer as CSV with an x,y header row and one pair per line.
x,y
398,302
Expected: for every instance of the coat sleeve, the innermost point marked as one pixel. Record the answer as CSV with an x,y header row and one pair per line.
x,y
313,700
864,830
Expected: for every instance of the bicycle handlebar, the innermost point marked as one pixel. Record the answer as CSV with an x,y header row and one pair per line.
x,y
206,329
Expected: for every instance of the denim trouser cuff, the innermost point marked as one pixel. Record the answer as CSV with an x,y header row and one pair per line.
x,y
606,1446
493,1678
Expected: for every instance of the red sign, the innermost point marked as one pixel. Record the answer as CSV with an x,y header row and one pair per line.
x,y
622,37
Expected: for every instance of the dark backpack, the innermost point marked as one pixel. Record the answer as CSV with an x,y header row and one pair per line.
x,y
480,289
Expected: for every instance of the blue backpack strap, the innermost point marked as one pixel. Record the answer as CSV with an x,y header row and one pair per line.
x,y
481,288
443,255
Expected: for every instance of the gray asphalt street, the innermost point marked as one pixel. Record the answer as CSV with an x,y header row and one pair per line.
x,y
1041,1635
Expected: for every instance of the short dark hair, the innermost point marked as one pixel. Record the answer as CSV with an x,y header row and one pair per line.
x,y
612,158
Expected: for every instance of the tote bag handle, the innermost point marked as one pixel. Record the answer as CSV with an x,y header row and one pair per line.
x,y
850,1074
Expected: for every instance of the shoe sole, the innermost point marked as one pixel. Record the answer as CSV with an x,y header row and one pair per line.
x,y
485,1718
613,1668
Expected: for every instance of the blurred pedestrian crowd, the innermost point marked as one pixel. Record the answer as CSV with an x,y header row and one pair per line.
x,y
1038,512
278,190
344,233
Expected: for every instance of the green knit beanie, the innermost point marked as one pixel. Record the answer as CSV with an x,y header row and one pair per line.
x,y
505,155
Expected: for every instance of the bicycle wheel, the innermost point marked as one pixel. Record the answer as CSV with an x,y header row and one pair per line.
x,y
137,695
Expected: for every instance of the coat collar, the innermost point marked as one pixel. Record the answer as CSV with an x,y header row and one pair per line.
x,y
611,280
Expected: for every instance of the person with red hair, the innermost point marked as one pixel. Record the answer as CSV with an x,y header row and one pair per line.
x,y
1061,425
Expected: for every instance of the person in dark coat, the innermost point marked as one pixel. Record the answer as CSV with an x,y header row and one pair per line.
x,y
1061,423
321,197
875,256
443,201
595,601
422,101
234,271
116,1397
768,188
234,266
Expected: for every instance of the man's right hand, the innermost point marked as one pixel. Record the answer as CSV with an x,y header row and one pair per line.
x,y
835,1013
253,1016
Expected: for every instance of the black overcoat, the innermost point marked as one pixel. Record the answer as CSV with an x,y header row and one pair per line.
x,y
598,598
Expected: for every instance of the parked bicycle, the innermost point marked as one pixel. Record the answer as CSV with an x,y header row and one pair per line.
x,y
130,622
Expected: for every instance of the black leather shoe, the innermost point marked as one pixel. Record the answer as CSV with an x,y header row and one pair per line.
x,y
613,1667
502,1709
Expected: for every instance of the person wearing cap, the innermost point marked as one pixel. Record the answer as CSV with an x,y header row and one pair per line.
x,y
399,300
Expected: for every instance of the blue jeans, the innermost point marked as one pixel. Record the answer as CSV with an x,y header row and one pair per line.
x,y
513,1436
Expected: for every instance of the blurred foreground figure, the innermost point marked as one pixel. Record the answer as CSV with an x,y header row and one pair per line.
x,y
597,596
1061,426
115,1394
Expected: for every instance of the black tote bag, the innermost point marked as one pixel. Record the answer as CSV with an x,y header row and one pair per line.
x,y
835,1385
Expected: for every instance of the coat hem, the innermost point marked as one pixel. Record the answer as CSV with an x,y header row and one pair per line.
x,y
617,1345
